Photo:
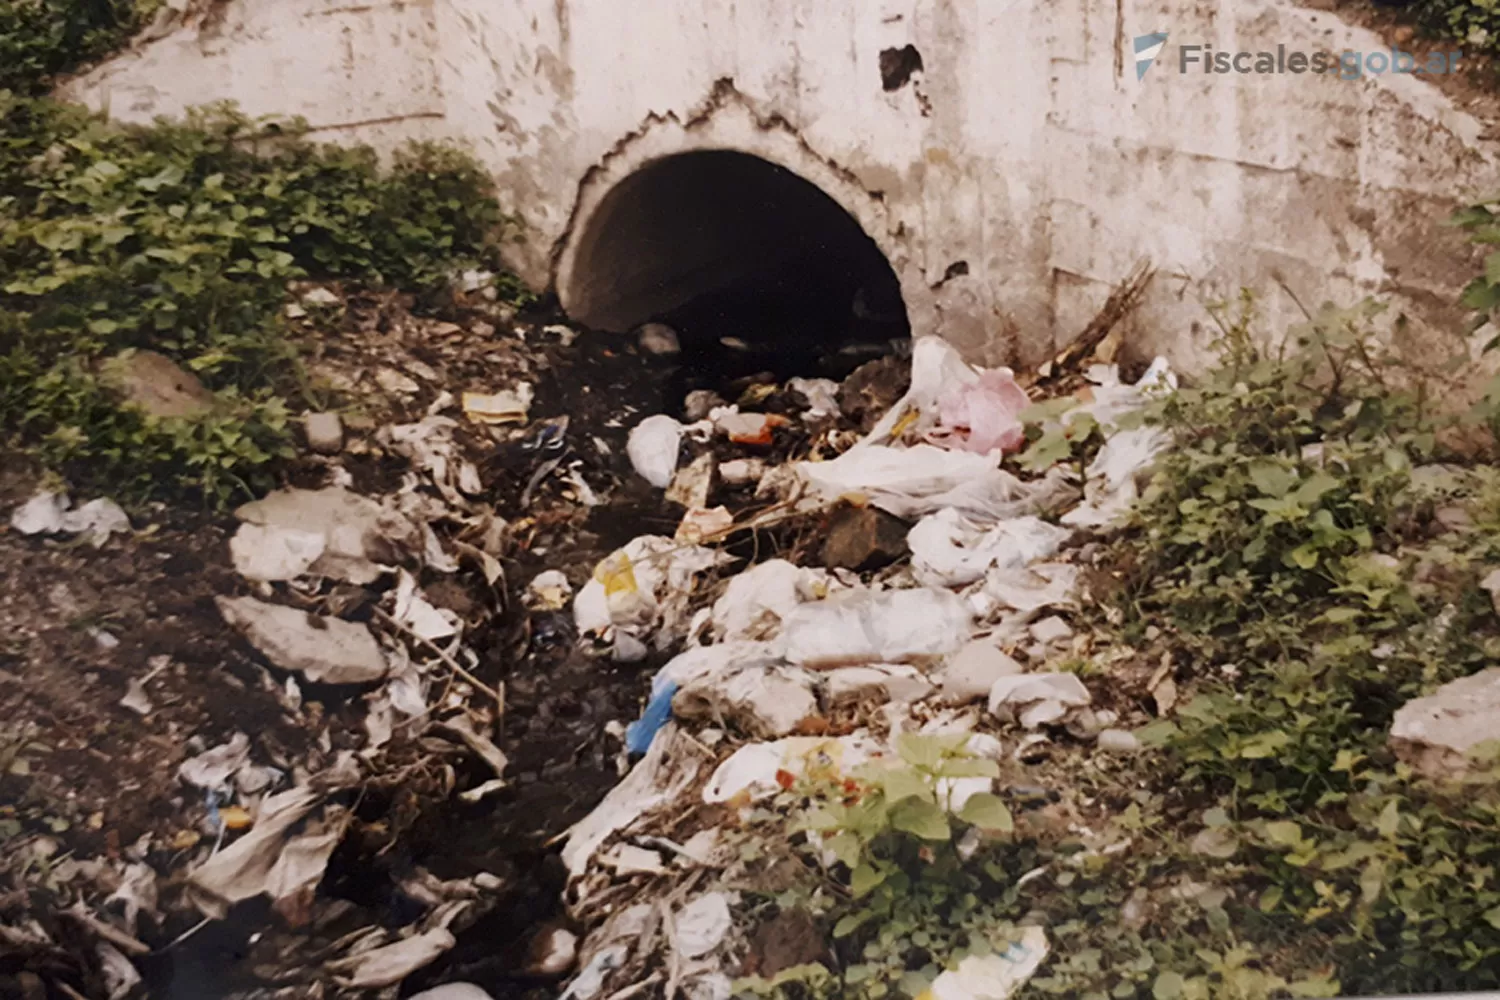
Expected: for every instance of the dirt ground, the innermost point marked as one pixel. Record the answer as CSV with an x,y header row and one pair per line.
x,y
88,783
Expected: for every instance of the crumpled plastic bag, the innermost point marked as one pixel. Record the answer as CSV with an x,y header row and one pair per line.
x,y
652,448
646,584
949,550
913,482
895,626
982,415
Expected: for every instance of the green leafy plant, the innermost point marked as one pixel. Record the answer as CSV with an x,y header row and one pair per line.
x,y
1473,23
1287,556
181,238
40,39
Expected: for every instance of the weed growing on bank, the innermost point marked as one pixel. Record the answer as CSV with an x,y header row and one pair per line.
x,y
181,238
1307,559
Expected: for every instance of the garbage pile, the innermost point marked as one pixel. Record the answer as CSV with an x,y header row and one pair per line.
x,y
941,572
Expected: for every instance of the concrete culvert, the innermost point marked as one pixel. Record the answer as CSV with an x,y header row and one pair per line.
x,y
754,267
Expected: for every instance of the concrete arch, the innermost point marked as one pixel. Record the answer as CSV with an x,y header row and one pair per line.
x,y
683,209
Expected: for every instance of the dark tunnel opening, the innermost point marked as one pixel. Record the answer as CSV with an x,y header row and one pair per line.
x,y
754,267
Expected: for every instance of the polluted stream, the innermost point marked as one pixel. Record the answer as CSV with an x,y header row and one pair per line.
x,y
563,703
409,828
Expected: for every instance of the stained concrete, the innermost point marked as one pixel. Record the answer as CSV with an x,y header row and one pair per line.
x,y
1001,155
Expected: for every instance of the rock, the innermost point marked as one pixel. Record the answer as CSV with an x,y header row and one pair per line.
x,y
1087,724
1051,629
1436,734
863,538
324,650
872,389
320,297
699,403
156,384
357,534
324,432
658,339
452,991
1118,741
973,671
1405,33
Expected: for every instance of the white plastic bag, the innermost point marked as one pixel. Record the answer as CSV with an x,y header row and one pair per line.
x,y
913,482
756,600
863,626
652,448
949,550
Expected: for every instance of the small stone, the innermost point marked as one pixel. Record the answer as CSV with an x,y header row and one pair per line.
x,y
325,432
659,339
973,671
1436,734
1403,34
700,403
1087,724
864,538
872,389
156,384
320,297
1050,630
1118,741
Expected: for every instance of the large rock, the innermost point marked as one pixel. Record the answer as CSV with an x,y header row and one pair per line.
x,y
324,650
329,532
1436,734
972,672
156,384
863,538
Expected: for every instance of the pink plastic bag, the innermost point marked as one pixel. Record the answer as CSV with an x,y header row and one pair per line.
x,y
982,415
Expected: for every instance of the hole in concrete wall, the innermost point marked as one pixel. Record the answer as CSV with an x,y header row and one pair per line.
x,y
897,66
722,245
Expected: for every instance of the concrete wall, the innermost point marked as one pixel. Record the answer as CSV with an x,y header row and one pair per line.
x,y
1025,150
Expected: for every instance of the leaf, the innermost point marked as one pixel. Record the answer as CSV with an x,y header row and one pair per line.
x,y
1272,480
927,750
1168,986
969,767
846,847
900,784
850,923
1313,488
1390,819
1284,832
920,819
1263,745
1492,917
1481,295
1492,268
864,878
987,812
